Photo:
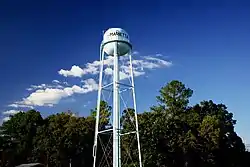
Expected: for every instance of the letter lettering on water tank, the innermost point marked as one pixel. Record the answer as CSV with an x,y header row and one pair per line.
x,y
117,33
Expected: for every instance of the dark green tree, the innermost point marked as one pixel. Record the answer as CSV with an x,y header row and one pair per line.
x,y
174,96
20,131
172,134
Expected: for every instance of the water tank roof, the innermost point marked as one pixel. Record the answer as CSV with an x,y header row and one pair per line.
x,y
116,35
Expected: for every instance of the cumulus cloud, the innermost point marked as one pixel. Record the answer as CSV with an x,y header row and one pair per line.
x,y
2,120
137,71
151,63
59,83
55,81
75,71
6,119
159,61
65,83
108,71
146,62
139,66
32,87
51,96
18,105
90,68
123,74
56,84
11,112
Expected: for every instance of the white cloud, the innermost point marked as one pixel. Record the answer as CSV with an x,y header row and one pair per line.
x,y
75,71
32,87
59,86
135,53
56,81
51,96
44,86
123,75
159,61
90,85
151,63
147,62
108,71
18,105
137,71
65,83
139,66
11,112
90,68
6,119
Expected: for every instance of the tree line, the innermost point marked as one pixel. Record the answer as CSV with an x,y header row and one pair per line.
x,y
172,134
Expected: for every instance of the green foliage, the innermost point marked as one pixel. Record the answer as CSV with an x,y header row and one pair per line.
x,y
175,95
172,134
105,113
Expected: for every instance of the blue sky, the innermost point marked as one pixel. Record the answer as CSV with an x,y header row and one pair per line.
x,y
207,43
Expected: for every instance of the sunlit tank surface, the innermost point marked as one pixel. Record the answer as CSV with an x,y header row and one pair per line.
x,y
116,35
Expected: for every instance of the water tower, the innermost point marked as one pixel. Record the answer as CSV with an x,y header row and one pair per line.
x,y
117,47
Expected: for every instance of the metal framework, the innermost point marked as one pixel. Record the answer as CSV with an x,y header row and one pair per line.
x,y
117,87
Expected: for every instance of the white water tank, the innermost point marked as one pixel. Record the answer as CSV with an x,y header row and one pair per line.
x,y
116,35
